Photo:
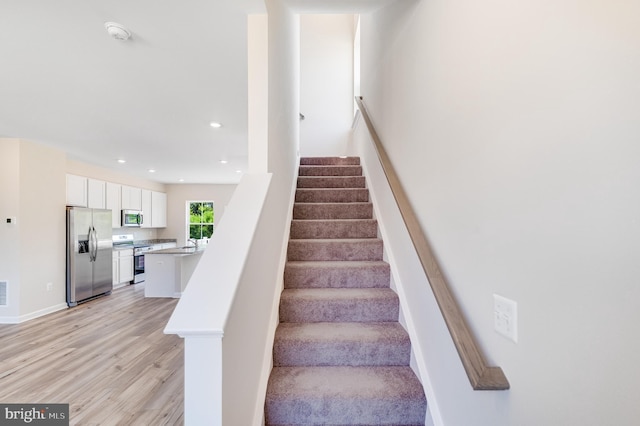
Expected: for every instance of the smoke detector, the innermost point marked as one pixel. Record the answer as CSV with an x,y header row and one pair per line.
x,y
117,31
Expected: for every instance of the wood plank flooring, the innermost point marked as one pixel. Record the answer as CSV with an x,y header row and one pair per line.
x,y
107,358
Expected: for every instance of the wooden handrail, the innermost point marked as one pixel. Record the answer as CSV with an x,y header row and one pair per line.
x,y
481,376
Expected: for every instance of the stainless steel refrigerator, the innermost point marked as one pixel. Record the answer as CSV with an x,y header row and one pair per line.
x,y
89,254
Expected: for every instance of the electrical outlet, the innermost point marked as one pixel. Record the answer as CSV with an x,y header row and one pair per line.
x,y
49,286
505,317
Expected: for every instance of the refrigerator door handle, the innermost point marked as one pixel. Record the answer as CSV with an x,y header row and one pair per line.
x,y
95,243
90,244
92,247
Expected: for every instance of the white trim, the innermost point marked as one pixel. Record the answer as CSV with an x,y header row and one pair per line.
x,y
33,315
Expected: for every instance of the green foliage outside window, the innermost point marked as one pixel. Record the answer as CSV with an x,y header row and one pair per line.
x,y
201,219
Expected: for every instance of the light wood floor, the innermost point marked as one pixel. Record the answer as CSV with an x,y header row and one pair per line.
x,y
107,358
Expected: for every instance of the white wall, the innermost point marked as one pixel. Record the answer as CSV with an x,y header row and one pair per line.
x,y
177,197
326,84
10,245
42,225
258,91
513,127
32,252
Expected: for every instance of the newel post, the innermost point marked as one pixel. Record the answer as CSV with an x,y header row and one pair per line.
x,y
203,380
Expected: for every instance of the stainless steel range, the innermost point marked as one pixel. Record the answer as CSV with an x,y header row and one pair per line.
x,y
138,262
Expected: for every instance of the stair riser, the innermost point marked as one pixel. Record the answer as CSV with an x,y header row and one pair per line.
x,y
324,195
335,250
329,161
392,396
331,182
373,276
333,211
330,171
363,310
393,352
305,229
323,412
367,412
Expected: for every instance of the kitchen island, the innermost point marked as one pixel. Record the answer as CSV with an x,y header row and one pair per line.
x,y
168,271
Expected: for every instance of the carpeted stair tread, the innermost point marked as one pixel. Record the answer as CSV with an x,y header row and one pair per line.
x,y
320,161
338,228
332,195
338,305
335,249
333,211
337,274
330,170
331,182
345,395
338,343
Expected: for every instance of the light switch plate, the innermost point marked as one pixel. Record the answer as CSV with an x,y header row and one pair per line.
x,y
505,317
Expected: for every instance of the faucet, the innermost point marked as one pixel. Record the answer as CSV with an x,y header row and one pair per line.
x,y
194,241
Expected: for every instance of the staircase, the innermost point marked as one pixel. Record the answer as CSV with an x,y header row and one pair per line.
x,y
340,356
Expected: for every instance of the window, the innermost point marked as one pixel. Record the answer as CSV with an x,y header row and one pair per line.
x,y
200,223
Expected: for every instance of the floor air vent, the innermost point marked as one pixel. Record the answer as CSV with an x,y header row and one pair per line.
x,y
3,293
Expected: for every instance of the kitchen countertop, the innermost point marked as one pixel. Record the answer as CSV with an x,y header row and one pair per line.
x,y
179,250
144,243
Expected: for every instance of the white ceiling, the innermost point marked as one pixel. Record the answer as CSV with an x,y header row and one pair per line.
x,y
65,82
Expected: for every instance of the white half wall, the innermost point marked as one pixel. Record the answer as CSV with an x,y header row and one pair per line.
x,y
514,129
326,84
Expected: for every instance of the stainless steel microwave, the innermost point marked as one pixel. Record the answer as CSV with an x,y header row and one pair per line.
x,y
131,218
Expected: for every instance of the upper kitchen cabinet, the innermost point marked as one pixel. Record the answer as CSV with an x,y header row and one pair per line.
x,y
96,193
114,202
131,198
147,209
76,191
158,209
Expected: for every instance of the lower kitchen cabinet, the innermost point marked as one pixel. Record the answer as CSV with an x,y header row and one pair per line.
x,y
122,267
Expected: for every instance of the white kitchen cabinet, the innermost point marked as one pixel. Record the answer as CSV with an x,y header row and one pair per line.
x,y
147,209
76,191
158,209
96,193
131,198
113,201
122,267
126,267
115,275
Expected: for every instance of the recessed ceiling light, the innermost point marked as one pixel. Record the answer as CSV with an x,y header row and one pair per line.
x,y
152,170
121,161
223,161
180,180
215,125
238,171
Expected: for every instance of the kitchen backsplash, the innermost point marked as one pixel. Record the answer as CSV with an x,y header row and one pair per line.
x,y
138,233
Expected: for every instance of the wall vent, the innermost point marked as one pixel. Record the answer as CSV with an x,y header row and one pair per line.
x,y
3,293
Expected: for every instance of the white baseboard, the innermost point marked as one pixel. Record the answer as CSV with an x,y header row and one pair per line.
x,y
33,315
